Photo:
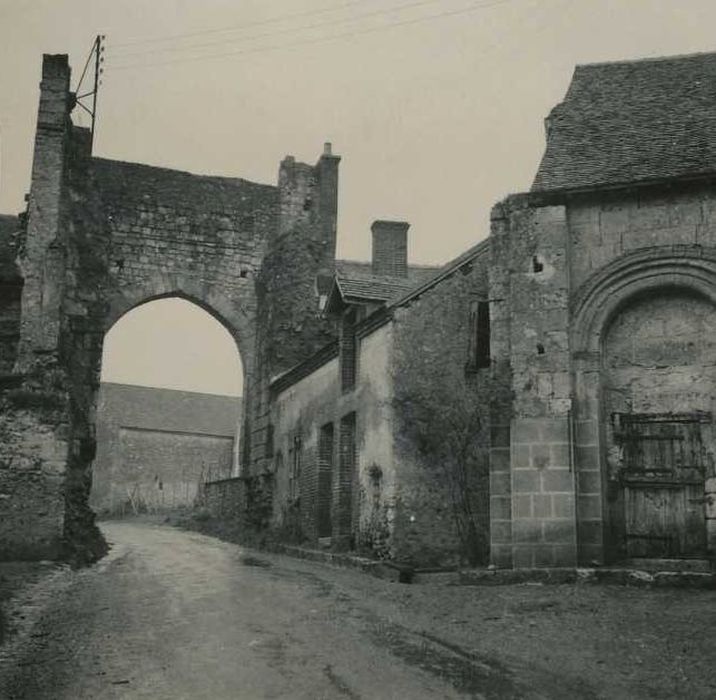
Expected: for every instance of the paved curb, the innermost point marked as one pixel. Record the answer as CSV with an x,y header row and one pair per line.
x,y
387,570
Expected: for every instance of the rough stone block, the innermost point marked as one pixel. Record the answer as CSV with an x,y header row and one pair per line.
x,y
525,481
541,505
557,481
558,531
526,530
501,531
523,557
590,507
500,484
587,458
522,506
521,457
543,555
555,431
563,505
590,532
500,507
589,482
586,432
501,556
500,459
564,555
560,455
540,456
526,431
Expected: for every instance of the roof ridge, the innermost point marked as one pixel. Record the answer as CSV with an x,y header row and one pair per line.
x,y
646,59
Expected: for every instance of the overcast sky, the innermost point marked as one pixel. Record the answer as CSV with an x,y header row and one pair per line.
x,y
436,107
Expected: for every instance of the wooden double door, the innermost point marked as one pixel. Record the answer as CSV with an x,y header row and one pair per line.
x,y
663,467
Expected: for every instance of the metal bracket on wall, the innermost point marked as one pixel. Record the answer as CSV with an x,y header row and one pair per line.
x,y
96,54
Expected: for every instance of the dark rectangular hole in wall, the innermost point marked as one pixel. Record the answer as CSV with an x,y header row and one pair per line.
x,y
348,351
325,480
347,462
479,340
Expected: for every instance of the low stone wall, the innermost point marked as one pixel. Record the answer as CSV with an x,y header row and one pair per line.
x,y
225,499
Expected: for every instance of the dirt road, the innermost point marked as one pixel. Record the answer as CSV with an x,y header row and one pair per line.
x,y
173,614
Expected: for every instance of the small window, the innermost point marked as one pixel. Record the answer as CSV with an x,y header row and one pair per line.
x,y
348,351
479,339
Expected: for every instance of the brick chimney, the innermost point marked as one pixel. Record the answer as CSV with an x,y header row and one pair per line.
x,y
390,248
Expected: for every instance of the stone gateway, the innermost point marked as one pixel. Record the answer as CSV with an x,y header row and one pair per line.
x,y
545,399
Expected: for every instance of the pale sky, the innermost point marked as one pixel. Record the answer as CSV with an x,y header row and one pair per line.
x,y
436,106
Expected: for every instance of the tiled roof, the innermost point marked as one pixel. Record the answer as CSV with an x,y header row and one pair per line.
x,y
417,274
373,288
632,122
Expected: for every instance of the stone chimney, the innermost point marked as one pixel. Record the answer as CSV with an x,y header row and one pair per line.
x,y
390,248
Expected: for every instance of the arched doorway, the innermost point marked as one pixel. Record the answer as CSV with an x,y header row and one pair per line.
x,y
168,408
658,394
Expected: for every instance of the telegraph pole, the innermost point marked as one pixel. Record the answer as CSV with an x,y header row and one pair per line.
x,y
96,54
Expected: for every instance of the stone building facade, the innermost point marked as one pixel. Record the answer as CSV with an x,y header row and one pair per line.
x,y
602,290
546,399
156,447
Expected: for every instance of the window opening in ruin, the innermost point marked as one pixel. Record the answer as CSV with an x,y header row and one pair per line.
x,y
540,349
479,336
348,351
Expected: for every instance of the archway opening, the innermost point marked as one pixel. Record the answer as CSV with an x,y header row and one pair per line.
x,y
168,409
659,382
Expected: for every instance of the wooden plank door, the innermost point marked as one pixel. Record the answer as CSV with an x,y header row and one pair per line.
x,y
662,474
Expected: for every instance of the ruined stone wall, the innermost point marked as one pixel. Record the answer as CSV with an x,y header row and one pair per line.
x,y
441,408
225,499
10,291
34,404
155,446
300,258
103,237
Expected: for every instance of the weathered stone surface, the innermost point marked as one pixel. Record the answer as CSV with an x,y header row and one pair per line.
x,y
104,236
155,447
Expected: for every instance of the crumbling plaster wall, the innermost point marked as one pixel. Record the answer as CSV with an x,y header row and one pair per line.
x,y
316,400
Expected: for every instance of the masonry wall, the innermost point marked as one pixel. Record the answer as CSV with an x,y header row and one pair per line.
x,y
362,507
156,446
556,263
10,292
300,259
529,279
442,439
34,402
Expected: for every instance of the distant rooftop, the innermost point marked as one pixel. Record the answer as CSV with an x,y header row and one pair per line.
x,y
632,122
